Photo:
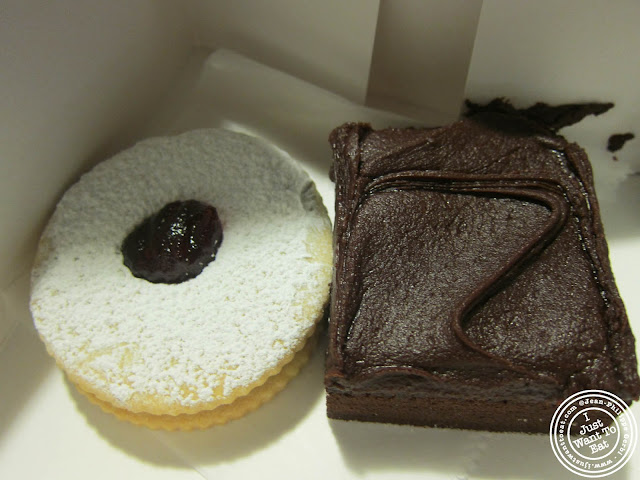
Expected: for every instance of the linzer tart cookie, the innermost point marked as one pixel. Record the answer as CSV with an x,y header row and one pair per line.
x,y
178,284
472,282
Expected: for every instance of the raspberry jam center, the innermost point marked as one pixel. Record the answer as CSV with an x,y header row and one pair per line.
x,y
175,243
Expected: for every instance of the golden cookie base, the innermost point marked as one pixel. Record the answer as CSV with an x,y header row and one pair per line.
x,y
219,415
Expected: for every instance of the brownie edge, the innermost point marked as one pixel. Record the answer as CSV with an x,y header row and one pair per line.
x,y
472,286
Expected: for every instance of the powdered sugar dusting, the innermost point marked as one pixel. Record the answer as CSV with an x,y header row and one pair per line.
x,y
200,340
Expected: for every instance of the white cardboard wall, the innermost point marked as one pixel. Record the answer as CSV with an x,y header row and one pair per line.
x,y
327,43
421,56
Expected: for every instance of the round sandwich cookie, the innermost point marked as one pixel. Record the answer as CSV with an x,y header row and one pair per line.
x,y
179,283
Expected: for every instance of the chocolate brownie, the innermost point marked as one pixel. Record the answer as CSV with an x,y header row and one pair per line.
x,y
472,285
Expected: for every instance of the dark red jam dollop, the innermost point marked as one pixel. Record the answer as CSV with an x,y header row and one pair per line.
x,y
174,244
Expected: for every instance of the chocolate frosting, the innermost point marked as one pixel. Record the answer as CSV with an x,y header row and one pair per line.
x,y
471,258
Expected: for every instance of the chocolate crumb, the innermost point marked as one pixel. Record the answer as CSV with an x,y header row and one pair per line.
x,y
554,117
617,141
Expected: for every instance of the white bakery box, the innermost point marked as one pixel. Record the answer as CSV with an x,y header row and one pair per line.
x,y
81,80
